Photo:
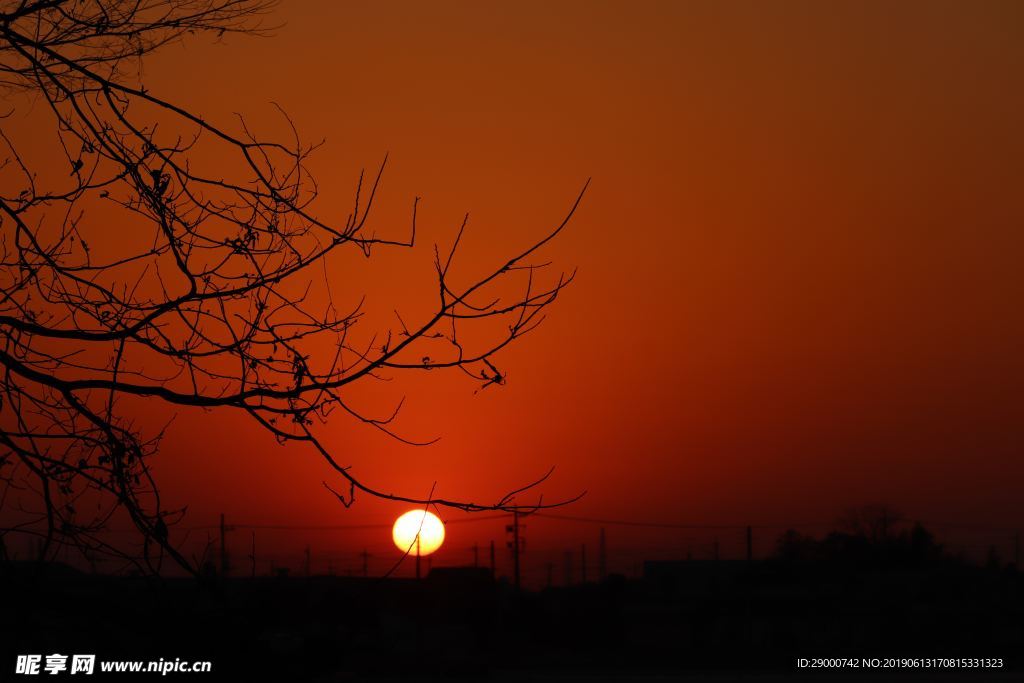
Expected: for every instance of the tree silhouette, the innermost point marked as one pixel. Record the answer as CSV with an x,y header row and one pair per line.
x,y
207,296
874,522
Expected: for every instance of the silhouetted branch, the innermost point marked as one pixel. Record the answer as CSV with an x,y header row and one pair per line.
x,y
203,294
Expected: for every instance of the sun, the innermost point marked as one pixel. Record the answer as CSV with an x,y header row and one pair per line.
x,y
426,525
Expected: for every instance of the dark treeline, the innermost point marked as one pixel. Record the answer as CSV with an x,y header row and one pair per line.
x,y
916,546
876,590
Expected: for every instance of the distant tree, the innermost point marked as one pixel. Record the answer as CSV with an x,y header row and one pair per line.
x,y
863,543
205,301
922,543
874,522
792,545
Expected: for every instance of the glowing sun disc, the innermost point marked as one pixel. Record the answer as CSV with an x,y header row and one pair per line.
x,y
426,524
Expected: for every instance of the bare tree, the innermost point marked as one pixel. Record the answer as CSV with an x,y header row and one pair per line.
x,y
209,298
874,522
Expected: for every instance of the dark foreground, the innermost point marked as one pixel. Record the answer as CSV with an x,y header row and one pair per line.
x,y
684,621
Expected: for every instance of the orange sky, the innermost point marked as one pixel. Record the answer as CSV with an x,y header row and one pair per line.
x,y
799,282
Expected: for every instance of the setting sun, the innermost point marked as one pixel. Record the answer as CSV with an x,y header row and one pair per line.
x,y
426,524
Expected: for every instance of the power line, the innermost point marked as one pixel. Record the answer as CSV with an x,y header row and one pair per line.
x,y
669,525
572,518
333,527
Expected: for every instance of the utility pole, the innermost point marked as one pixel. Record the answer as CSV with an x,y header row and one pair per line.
x,y
224,529
366,562
223,548
417,556
515,549
568,567
493,567
750,543
602,558
252,557
583,563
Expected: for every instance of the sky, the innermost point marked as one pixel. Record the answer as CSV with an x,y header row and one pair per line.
x,y
798,280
